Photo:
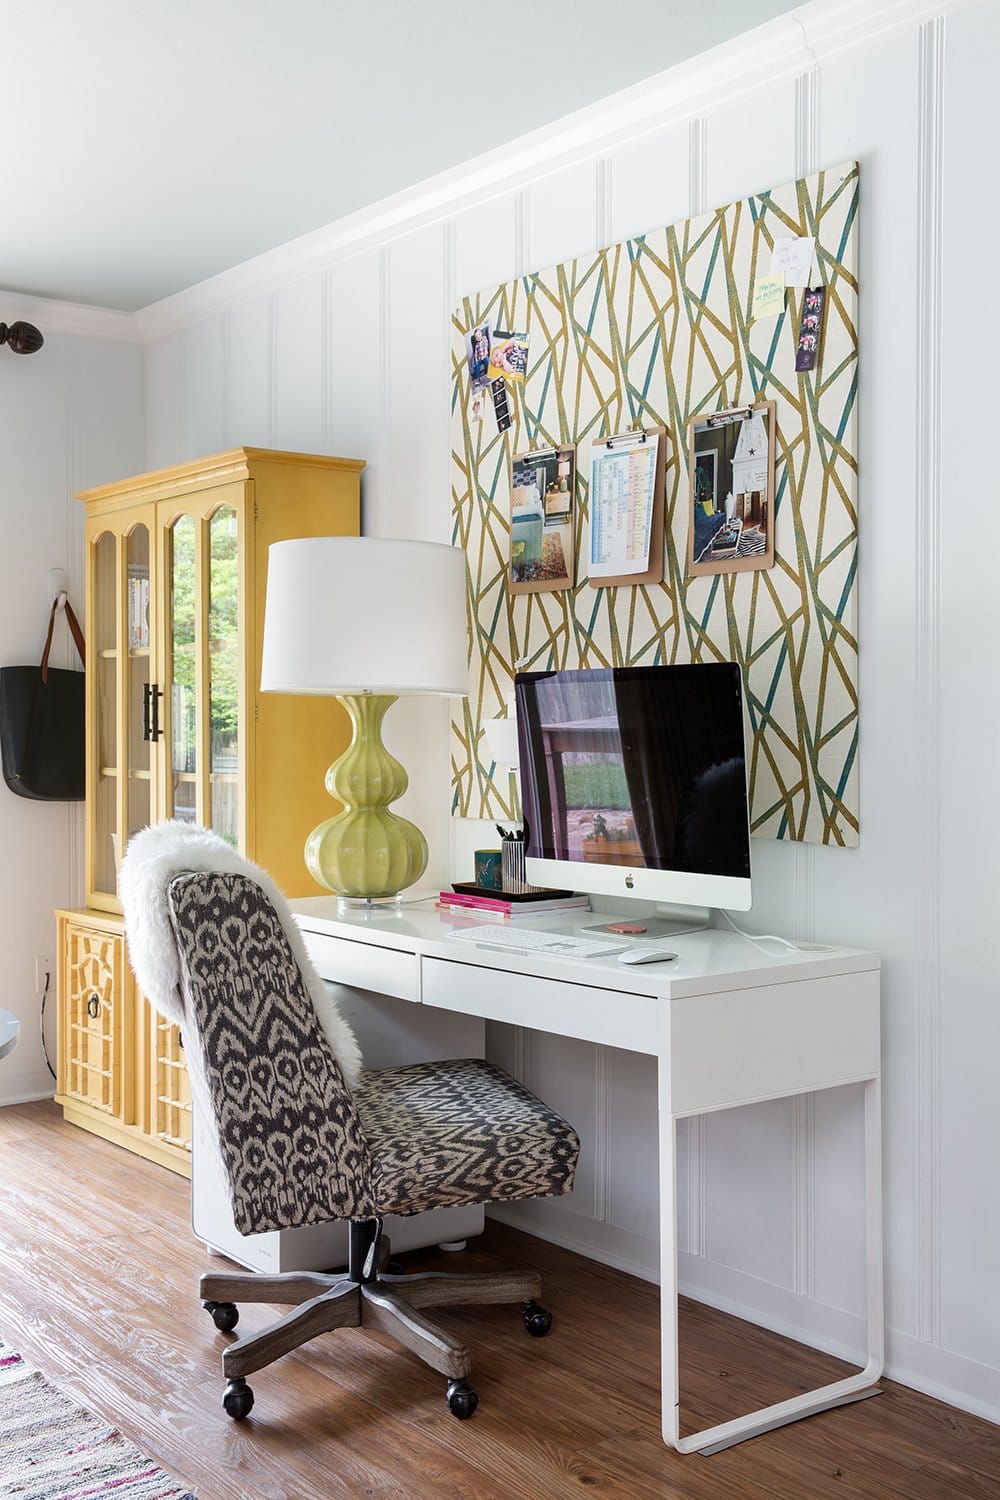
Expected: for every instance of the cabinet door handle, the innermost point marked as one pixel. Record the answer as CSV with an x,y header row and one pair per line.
x,y
145,710
94,1007
155,694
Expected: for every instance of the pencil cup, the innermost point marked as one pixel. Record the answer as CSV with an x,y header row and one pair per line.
x,y
513,866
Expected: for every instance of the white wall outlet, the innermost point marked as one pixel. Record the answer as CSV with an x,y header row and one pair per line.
x,y
44,969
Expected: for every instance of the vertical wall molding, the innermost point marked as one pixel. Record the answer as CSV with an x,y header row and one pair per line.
x,y
927,643
381,517
803,1112
522,232
225,378
326,361
271,410
75,546
603,200
602,1135
698,165
807,123
692,1144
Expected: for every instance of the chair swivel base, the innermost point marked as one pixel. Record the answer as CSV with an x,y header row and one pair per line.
x,y
390,1304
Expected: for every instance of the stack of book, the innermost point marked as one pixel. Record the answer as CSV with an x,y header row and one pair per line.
x,y
501,907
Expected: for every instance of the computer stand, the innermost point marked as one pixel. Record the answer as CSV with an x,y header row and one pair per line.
x,y
665,922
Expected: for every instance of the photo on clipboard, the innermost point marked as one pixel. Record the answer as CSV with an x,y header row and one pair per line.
x,y
731,499
543,503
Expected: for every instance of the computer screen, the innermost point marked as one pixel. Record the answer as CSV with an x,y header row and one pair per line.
x,y
633,782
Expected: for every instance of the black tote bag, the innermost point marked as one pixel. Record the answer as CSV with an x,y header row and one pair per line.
x,y
42,714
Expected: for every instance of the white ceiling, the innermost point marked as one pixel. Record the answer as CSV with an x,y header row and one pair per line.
x,y
147,144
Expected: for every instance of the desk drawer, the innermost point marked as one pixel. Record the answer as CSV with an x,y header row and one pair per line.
x,y
610,1017
364,965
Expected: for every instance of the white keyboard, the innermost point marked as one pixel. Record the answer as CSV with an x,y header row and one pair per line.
x,y
521,940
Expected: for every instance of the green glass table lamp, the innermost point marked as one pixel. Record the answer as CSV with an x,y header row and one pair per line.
x,y
365,619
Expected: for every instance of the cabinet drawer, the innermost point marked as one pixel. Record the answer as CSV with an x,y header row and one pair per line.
x,y
609,1017
364,965
93,1022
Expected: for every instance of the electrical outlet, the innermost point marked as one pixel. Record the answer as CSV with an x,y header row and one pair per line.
x,y
44,969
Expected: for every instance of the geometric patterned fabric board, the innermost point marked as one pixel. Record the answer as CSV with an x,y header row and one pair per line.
x,y
656,330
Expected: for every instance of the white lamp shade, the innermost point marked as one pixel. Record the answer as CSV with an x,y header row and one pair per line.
x,y
365,614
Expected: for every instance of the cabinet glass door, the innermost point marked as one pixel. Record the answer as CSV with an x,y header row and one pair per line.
x,y
123,709
102,800
203,668
142,704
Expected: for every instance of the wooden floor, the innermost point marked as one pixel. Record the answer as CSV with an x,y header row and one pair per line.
x,y
98,1276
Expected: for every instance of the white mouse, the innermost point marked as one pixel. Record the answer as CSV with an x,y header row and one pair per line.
x,y
645,956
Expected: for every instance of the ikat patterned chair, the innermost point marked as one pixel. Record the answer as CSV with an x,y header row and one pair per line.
x,y
300,1148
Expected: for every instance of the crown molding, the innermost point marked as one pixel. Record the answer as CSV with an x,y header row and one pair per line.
x,y
53,316
806,37
811,34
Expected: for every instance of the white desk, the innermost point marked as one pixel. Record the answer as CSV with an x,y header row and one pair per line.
x,y
729,1022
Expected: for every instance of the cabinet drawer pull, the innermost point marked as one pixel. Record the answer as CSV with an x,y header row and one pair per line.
x,y
94,1007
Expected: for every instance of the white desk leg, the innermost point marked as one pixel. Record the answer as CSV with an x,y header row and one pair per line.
x,y
855,1388
670,1394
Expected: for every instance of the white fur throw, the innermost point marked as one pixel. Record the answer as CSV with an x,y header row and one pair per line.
x,y
151,861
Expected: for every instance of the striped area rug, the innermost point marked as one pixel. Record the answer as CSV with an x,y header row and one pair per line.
x,y
52,1449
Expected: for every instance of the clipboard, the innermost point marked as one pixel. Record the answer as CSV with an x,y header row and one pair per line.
x,y
617,443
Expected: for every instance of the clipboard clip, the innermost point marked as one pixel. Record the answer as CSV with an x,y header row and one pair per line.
x,y
723,418
627,437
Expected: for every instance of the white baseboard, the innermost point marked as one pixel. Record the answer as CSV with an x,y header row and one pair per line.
x,y
27,1098
937,1372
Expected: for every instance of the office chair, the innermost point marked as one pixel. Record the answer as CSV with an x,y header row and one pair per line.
x,y
300,1147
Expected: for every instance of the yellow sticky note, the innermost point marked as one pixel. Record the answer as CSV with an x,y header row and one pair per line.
x,y
768,296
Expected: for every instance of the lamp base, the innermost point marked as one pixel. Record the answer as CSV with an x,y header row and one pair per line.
x,y
377,905
366,853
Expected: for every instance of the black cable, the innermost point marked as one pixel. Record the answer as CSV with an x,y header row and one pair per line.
x,y
45,1050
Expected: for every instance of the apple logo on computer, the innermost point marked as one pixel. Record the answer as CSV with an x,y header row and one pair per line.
x,y
629,882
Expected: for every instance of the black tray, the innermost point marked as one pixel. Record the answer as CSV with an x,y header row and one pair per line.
x,y
469,888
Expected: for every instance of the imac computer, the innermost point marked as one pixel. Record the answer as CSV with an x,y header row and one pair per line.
x,y
634,784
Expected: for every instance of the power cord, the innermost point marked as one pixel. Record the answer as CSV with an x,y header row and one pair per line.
x,y
45,1050
772,937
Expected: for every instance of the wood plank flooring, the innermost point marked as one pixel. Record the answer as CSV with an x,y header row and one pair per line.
x,y
98,1288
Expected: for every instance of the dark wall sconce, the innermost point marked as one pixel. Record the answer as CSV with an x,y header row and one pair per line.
x,y
22,338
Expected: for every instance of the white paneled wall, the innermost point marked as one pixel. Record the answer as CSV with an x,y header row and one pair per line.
x,y
70,416
352,358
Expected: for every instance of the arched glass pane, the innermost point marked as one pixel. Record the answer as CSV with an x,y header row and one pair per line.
x,y
183,700
137,647
104,664
223,666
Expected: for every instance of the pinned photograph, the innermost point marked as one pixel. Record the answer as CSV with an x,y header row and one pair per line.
x,y
811,329
732,490
542,496
477,405
501,405
477,349
508,356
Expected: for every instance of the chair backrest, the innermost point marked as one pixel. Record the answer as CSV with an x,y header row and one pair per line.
x,y
289,1133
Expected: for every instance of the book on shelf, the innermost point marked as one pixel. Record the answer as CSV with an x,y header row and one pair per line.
x,y
498,906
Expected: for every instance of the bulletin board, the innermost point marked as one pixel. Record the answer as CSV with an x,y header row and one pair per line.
x,y
652,332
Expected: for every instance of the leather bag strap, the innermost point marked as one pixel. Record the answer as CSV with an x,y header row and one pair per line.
x,y
75,632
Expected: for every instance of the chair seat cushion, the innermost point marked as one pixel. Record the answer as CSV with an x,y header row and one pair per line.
x,y
444,1134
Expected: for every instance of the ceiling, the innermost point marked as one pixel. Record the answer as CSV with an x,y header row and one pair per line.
x,y
148,144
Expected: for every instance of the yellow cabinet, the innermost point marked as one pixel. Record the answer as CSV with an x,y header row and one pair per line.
x,y
176,571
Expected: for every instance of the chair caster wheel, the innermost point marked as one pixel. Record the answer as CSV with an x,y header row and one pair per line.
x,y
225,1315
461,1398
537,1320
238,1399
